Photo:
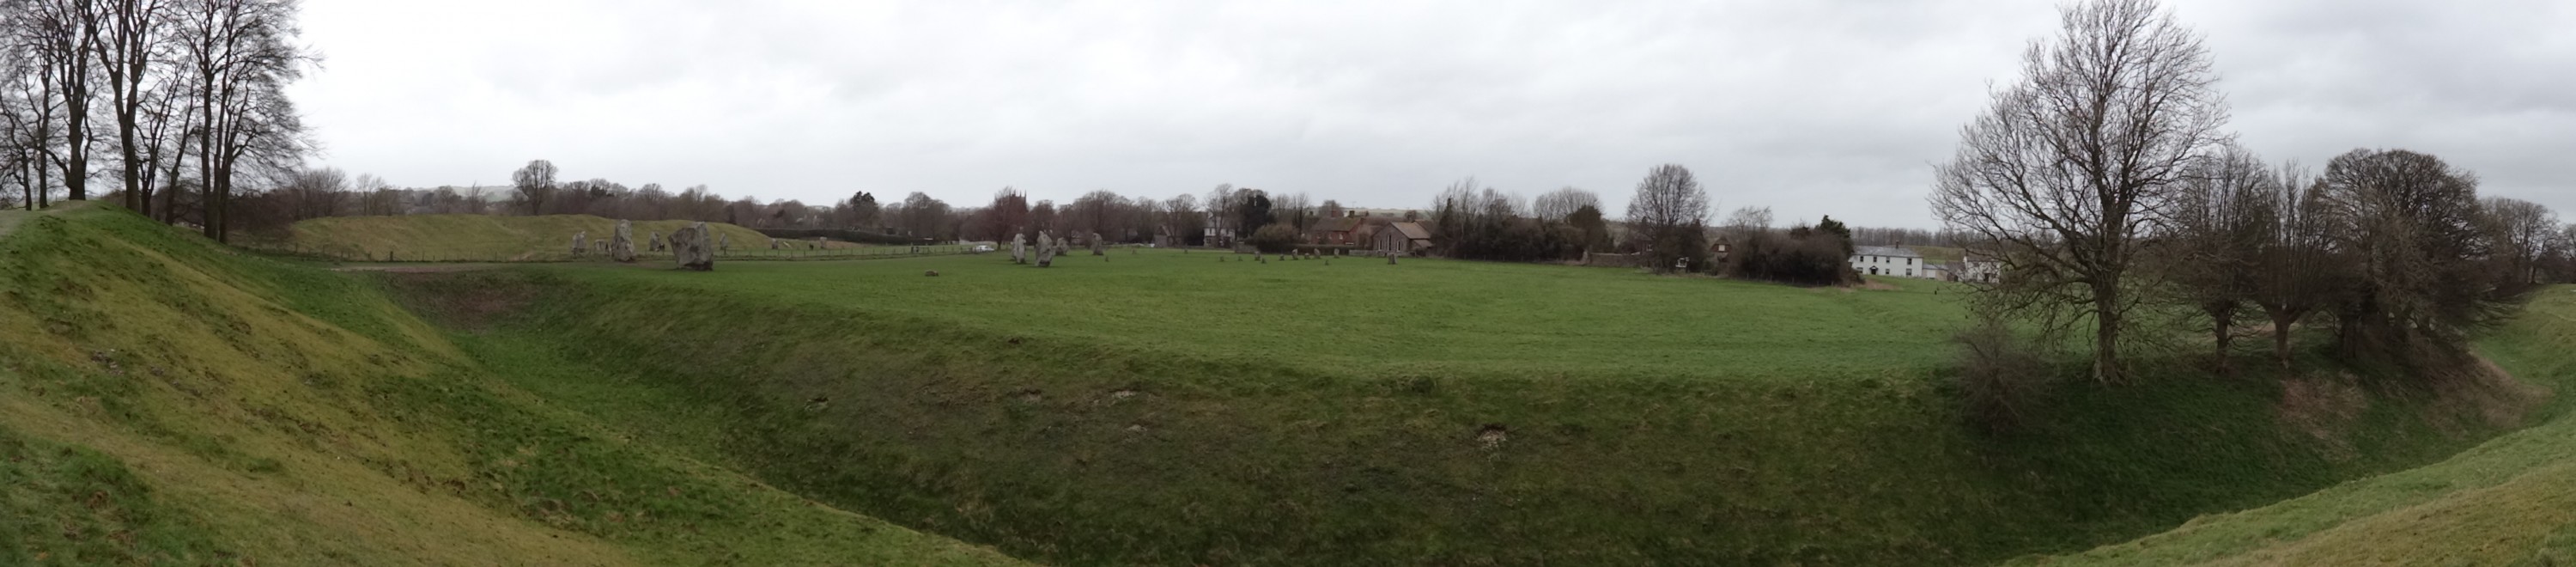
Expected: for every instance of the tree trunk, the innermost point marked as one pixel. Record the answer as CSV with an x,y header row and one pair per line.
x,y
136,196
2106,333
170,186
2281,321
2222,322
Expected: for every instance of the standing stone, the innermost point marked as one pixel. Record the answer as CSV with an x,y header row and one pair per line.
x,y
1390,257
723,241
654,245
690,248
621,247
1046,249
580,243
1019,248
773,244
1097,248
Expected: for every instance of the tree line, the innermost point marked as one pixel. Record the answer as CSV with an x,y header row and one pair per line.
x,y
1667,224
2106,188
172,108
538,188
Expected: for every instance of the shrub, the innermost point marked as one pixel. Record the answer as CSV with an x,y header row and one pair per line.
x,y
2001,376
1274,238
1802,257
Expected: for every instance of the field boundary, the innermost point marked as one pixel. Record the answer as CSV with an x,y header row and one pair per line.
x,y
349,254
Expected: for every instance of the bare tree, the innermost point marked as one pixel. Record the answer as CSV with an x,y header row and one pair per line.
x,y
239,56
2071,165
61,36
1295,210
1561,203
130,39
926,217
1668,219
1221,205
2524,233
2220,221
2407,223
2295,269
1096,211
1747,222
1182,218
535,184
315,193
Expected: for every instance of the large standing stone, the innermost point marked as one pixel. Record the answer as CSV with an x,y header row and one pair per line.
x,y
723,241
654,245
690,248
580,243
622,246
1019,248
1046,249
1097,248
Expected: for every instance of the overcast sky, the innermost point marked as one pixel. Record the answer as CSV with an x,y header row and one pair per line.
x,y
1809,107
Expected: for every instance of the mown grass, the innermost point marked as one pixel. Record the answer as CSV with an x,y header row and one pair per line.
x,y
166,400
483,238
2509,501
1175,408
1361,315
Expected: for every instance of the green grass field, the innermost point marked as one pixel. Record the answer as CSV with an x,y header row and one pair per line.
x,y
1163,407
166,400
1363,316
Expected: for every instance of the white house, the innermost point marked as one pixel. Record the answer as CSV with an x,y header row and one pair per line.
x,y
1981,269
1889,261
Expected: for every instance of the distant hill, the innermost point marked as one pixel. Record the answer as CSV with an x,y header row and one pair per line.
x,y
480,238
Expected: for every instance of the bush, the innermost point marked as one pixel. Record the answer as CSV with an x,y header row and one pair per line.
x,y
1275,238
1803,257
2001,376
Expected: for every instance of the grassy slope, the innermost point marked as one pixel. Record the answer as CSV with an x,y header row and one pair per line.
x,y
1938,254
482,238
1169,408
2509,501
164,400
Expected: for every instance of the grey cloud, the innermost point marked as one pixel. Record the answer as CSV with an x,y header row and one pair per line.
x,y
1812,108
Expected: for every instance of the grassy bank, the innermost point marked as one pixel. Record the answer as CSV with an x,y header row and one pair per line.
x,y
1175,408
166,400
484,238
2509,501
